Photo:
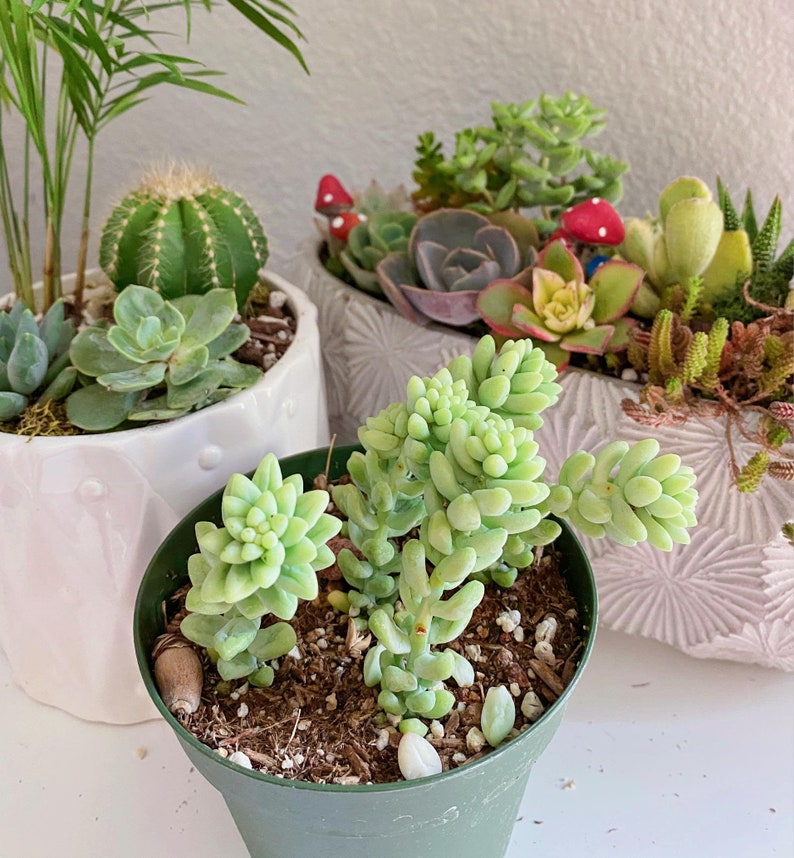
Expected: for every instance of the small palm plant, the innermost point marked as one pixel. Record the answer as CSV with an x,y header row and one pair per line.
x,y
107,61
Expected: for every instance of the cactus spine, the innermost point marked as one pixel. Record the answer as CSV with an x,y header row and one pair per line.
x,y
180,232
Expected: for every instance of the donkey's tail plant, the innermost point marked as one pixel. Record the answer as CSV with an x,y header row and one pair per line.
x,y
34,358
161,360
181,233
261,562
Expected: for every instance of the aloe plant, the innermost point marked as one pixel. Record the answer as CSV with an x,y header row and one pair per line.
x,y
108,60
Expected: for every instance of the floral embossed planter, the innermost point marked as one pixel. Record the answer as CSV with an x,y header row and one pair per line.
x,y
80,517
729,594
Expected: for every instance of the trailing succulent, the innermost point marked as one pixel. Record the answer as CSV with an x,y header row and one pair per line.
x,y
446,496
160,360
34,358
181,233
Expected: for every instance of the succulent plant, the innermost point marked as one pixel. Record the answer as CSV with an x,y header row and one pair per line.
x,y
472,480
531,156
560,310
452,255
371,240
162,359
34,357
688,244
182,233
261,562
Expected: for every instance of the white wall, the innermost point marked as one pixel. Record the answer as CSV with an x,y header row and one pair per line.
x,y
697,88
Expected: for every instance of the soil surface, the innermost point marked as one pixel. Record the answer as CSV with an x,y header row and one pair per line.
x,y
319,722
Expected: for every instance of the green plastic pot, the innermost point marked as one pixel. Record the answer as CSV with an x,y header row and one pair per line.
x,y
468,812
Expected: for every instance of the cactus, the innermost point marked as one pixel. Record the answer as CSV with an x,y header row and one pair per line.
x,y
161,360
182,233
34,357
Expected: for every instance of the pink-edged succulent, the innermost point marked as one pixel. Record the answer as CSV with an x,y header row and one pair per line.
x,y
452,255
552,304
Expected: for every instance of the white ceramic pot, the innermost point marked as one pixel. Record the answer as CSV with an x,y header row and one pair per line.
x,y
81,516
729,594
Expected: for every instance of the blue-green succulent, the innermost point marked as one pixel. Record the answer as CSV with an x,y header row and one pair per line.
x,y
34,357
160,360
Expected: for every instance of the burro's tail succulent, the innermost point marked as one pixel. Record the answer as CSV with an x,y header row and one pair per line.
x,y
34,357
261,562
181,233
458,459
161,360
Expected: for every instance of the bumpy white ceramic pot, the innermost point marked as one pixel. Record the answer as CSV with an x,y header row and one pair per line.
x,y
729,594
81,516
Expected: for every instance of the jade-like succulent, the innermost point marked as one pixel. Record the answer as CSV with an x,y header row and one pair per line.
x,y
688,241
161,360
452,255
533,155
181,233
560,310
369,242
34,357
262,561
452,461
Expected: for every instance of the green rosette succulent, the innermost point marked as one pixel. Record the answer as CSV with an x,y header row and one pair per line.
x,y
561,311
34,357
181,233
161,360
452,255
383,232
262,561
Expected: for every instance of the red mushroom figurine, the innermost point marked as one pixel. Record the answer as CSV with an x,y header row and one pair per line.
x,y
332,198
593,221
340,225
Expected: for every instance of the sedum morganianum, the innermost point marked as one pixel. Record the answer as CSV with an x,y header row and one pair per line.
x,y
458,460
161,360
447,496
261,562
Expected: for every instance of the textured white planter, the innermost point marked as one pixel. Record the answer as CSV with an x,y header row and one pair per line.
x,y
729,594
81,516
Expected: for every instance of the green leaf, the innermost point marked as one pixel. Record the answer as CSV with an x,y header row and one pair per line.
x,y
186,363
96,409
142,377
195,391
210,318
27,364
615,284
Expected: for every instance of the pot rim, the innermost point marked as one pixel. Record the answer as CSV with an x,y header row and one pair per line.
x,y
588,606
303,311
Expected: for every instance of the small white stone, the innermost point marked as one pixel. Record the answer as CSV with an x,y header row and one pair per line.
x,y
417,758
509,621
382,740
242,710
546,630
515,689
531,706
518,634
436,729
287,764
331,701
322,643
544,652
222,752
475,740
295,653
629,374
473,651
459,757
299,758
241,759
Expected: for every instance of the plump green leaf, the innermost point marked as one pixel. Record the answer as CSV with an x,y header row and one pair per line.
x,y
27,363
210,318
96,409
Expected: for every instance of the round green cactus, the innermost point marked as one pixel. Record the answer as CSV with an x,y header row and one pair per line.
x,y
181,233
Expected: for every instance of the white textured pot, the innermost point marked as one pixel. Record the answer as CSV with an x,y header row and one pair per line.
x,y
729,594
81,516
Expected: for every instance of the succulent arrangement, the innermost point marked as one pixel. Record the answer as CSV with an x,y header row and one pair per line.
x,y
694,302
447,497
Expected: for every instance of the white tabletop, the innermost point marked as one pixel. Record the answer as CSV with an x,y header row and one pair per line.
x,y
659,755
